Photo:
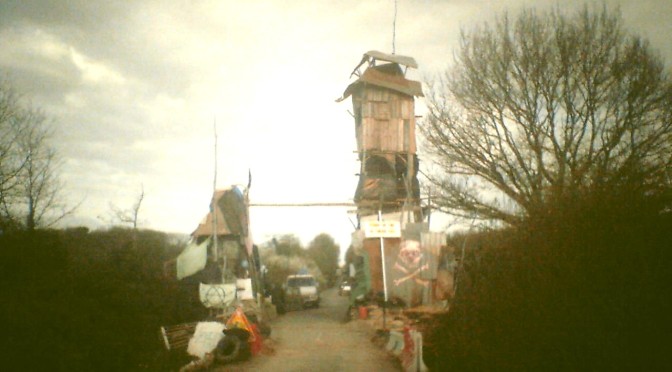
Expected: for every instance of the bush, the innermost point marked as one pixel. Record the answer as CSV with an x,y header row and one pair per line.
x,y
88,301
582,288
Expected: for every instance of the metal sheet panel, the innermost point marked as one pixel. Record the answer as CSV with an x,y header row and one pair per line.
x,y
394,58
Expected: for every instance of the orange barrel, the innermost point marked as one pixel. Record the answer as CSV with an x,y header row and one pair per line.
x,y
363,312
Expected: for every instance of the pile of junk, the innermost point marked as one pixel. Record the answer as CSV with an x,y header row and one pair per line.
x,y
216,342
221,266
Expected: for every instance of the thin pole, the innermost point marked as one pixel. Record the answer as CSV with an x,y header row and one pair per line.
x,y
382,254
382,259
394,27
214,203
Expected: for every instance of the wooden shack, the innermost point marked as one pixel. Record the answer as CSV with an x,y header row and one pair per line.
x,y
233,255
383,103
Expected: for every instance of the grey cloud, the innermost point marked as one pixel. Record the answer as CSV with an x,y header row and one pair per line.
x,y
105,31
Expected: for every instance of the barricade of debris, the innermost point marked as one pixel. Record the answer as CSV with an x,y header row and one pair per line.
x,y
223,340
402,331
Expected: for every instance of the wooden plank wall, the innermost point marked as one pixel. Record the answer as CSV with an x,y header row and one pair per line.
x,y
384,114
372,247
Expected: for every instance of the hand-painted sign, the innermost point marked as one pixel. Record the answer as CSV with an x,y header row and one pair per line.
x,y
382,229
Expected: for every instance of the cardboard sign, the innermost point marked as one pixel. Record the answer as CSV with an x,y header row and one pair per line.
x,y
382,229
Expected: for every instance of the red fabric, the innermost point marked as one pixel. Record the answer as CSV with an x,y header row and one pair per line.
x,y
256,342
409,349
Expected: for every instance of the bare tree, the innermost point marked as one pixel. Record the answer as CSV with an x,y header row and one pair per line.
x,y
40,186
30,185
546,107
129,216
11,162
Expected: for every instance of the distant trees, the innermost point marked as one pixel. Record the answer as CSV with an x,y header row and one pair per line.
x,y
30,187
324,251
285,255
546,108
288,245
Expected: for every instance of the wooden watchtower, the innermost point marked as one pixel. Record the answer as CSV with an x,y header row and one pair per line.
x,y
383,103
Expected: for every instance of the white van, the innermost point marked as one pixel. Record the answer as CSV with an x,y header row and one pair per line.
x,y
305,287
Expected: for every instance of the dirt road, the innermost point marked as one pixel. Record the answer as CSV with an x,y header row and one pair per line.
x,y
319,340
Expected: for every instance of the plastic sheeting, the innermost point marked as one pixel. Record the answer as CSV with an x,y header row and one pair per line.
x,y
192,259
244,287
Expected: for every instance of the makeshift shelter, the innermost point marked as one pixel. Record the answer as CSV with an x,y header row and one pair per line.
x,y
384,110
231,260
405,265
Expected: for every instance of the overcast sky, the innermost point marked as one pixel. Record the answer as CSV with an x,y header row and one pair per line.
x,y
134,88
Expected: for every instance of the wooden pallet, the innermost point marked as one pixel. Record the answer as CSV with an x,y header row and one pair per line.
x,y
177,337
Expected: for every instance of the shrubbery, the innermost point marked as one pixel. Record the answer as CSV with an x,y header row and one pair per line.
x,y
76,300
584,287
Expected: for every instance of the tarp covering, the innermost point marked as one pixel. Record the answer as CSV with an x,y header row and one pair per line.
x,y
361,281
244,287
192,259
205,228
231,212
232,205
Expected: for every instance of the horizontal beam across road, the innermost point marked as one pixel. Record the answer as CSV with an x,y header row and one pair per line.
x,y
336,204
345,204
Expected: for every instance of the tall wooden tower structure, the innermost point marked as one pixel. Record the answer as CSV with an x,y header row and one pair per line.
x,y
383,103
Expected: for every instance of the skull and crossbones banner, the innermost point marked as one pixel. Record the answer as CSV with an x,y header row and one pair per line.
x,y
407,274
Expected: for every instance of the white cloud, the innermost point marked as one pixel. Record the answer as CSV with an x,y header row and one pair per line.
x,y
93,71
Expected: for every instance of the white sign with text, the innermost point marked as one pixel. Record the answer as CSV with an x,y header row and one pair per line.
x,y
382,229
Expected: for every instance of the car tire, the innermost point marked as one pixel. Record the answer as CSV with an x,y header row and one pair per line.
x,y
228,349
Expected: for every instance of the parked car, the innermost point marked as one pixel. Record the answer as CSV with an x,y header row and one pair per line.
x,y
344,288
304,288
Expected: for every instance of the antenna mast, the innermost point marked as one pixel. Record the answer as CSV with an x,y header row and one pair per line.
x,y
394,27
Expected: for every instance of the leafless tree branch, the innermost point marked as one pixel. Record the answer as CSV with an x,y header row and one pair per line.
x,y
545,106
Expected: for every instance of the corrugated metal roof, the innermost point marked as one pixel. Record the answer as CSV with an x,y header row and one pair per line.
x,y
372,55
395,58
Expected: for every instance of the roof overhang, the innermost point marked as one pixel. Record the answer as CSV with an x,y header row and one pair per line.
x,y
396,83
